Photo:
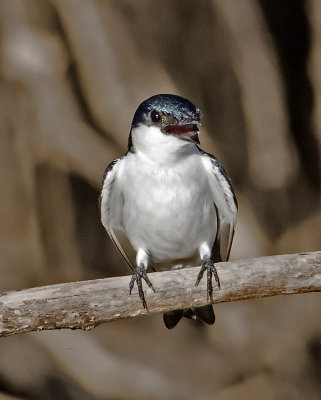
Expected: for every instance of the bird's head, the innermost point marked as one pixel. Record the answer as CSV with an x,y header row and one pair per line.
x,y
166,122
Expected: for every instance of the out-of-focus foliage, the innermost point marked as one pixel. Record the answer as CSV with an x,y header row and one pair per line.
x,y
72,74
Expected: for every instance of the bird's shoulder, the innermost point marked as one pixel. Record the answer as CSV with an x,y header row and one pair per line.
x,y
110,169
108,180
216,170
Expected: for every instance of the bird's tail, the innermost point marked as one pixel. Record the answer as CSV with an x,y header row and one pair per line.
x,y
204,314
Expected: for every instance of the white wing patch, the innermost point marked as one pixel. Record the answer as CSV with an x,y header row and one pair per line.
x,y
225,204
111,208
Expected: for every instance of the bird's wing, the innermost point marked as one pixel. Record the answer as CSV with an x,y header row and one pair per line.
x,y
111,209
225,204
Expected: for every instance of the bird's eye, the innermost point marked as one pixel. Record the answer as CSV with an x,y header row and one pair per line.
x,y
155,116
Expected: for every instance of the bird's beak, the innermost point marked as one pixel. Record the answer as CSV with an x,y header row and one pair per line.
x,y
187,132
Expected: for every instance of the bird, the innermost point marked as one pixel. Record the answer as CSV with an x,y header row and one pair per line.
x,y
167,204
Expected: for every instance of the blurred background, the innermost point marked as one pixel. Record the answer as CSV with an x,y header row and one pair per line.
x,y
72,74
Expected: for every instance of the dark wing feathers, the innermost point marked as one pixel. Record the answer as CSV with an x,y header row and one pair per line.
x,y
225,204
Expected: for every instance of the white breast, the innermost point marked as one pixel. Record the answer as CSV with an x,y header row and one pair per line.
x,y
168,209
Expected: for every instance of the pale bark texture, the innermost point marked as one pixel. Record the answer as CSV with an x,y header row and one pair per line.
x,y
84,305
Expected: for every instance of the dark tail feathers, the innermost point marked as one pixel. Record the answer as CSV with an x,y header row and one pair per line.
x,y
204,314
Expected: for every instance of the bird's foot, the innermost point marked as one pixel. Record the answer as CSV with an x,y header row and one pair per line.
x,y
139,273
208,265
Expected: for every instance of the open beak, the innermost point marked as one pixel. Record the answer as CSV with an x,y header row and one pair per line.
x,y
187,132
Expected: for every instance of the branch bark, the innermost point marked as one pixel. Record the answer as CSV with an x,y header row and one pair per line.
x,y
84,305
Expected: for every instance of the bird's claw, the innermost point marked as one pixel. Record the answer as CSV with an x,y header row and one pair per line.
x,y
208,265
139,273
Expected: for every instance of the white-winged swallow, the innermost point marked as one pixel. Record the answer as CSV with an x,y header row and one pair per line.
x,y
167,204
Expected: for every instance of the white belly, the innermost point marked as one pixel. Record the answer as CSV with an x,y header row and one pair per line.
x,y
168,211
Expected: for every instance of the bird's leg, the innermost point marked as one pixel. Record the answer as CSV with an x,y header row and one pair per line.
x,y
208,265
139,274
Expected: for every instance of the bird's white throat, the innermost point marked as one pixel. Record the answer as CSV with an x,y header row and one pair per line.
x,y
158,146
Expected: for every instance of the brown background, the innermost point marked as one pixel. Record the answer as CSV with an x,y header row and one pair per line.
x,y
72,74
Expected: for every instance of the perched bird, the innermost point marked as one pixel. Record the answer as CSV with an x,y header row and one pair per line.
x,y
166,203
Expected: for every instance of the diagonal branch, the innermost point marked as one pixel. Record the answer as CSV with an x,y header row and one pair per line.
x,y
84,305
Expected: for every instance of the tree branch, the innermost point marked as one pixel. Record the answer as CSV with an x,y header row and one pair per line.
x,y
89,303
